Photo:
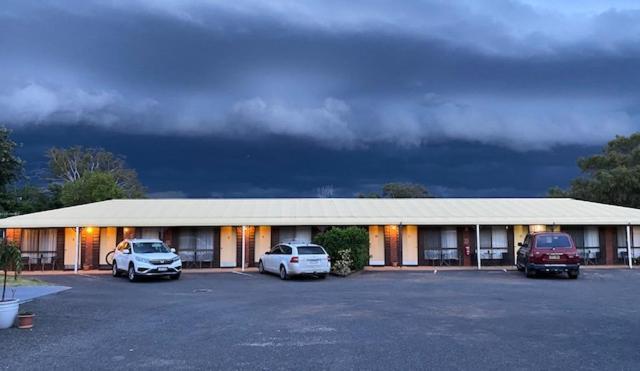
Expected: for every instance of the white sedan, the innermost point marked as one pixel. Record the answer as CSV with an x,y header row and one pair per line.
x,y
289,259
146,257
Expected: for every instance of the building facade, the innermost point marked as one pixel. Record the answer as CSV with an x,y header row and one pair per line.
x,y
402,232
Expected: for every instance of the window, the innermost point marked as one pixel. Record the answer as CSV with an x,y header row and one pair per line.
x,y
195,239
449,238
310,250
635,236
149,247
591,237
552,241
38,241
276,250
286,250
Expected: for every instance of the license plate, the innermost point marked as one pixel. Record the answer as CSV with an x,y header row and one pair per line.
x,y
162,269
554,257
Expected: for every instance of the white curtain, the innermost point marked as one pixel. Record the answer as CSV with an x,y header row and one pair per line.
x,y
150,232
499,237
485,238
303,234
591,237
186,239
29,240
47,240
622,236
204,239
287,234
636,236
449,238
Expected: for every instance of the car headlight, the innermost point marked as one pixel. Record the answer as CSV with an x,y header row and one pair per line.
x,y
141,259
175,259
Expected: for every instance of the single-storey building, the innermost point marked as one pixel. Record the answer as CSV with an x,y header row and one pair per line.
x,y
403,232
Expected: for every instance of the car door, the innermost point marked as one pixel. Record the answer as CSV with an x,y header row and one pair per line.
x,y
285,256
122,259
271,259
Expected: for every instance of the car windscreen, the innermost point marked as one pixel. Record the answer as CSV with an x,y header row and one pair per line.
x,y
310,250
552,241
149,247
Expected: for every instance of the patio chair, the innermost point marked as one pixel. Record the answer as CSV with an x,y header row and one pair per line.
x,y
204,256
26,262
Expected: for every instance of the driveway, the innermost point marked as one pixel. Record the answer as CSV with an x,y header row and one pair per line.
x,y
374,320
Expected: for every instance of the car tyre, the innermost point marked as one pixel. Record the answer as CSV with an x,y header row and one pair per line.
x,y
322,276
573,274
530,273
283,273
131,274
175,276
114,270
260,267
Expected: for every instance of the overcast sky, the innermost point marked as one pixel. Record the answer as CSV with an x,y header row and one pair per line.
x,y
260,98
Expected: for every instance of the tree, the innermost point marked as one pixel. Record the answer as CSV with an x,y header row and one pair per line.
x,y
353,239
10,164
30,199
10,259
90,187
71,164
399,190
611,177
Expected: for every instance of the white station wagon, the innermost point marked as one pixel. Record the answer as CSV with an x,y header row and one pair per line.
x,y
146,257
290,259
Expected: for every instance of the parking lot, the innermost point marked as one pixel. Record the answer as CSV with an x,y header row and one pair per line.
x,y
374,320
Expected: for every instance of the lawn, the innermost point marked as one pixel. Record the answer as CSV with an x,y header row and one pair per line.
x,y
21,281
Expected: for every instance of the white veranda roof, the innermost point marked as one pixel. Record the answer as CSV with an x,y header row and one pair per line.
x,y
319,211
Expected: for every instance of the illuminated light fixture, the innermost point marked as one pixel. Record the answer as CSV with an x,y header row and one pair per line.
x,y
89,229
126,230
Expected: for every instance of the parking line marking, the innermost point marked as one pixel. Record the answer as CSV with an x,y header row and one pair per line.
x,y
242,273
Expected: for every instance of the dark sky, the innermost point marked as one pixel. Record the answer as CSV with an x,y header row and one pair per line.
x,y
279,98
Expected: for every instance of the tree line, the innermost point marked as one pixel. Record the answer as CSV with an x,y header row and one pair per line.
x,y
74,176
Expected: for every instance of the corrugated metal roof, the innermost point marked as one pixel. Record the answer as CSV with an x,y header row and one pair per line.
x,y
319,211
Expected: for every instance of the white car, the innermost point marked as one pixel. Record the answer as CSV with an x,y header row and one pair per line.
x,y
289,259
146,257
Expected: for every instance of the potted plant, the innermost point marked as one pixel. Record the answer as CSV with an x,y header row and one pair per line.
x,y
10,259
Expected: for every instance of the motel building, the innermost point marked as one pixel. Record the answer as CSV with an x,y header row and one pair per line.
x,y
233,233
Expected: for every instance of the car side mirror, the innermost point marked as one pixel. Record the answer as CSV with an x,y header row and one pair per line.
x,y
268,253
173,250
126,251
520,244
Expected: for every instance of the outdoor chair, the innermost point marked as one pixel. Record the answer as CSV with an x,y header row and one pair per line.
x,y
204,256
26,262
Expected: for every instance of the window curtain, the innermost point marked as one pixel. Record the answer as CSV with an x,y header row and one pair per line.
x,y
591,237
499,237
303,234
622,236
150,232
485,238
47,240
636,236
287,234
29,240
186,239
449,238
204,239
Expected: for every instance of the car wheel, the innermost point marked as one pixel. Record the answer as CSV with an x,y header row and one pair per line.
x,y
175,276
114,270
131,274
283,273
573,274
260,267
529,272
322,276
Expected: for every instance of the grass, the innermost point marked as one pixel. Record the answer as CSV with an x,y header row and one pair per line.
x,y
21,281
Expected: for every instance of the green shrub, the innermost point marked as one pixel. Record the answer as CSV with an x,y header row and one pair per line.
x,y
353,239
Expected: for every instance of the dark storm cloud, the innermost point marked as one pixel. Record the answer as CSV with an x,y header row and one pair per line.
x,y
526,75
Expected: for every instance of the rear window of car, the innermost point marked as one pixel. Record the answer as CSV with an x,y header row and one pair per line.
x,y
310,250
552,241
